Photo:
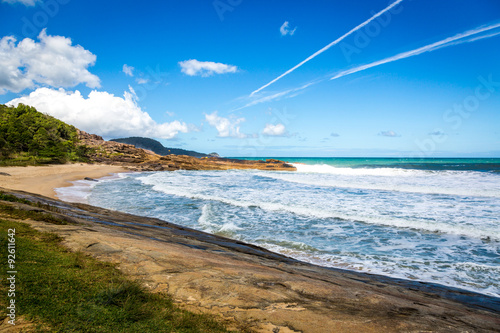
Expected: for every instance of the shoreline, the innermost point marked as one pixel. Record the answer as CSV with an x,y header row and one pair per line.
x,y
44,180
253,286
203,272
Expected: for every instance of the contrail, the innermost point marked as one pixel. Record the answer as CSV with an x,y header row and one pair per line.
x,y
314,55
450,41
278,95
464,37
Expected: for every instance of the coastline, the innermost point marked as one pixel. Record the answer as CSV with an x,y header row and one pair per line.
x,y
44,179
241,282
255,288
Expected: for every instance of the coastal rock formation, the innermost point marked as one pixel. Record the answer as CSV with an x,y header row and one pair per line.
x,y
137,159
256,290
157,147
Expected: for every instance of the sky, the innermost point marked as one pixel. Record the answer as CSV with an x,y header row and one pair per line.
x,y
359,78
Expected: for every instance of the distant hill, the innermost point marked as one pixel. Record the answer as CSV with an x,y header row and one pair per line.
x,y
157,147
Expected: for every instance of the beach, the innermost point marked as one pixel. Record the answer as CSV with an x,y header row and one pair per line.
x,y
256,290
44,179
431,221
246,285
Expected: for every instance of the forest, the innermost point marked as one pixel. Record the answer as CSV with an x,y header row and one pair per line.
x,y
29,137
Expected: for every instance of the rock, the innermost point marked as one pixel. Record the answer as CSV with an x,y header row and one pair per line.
x,y
86,136
137,159
258,290
90,179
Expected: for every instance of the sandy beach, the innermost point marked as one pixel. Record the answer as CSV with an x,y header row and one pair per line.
x,y
247,286
44,179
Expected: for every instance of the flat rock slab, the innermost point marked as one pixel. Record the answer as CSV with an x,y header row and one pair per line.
x,y
258,290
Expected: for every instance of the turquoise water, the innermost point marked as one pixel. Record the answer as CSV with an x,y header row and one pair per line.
x,y
466,164
435,220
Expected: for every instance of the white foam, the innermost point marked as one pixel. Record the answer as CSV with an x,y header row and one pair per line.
x,y
439,182
328,169
447,238
80,190
318,209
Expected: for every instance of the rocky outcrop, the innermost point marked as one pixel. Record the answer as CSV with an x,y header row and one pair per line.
x,y
88,137
257,290
138,159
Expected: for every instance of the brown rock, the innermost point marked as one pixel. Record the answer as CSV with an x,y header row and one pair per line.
x,y
111,152
261,291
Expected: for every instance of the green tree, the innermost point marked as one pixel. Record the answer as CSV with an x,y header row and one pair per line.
x,y
27,133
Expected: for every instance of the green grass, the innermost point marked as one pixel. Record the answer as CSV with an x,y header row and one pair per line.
x,y
29,214
13,198
38,215
62,291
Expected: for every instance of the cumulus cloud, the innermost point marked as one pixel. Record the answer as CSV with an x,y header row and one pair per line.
x,y
52,61
391,134
227,128
24,2
285,29
128,70
274,130
194,67
101,113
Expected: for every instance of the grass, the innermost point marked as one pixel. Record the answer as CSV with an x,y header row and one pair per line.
x,y
12,211
25,159
13,198
62,291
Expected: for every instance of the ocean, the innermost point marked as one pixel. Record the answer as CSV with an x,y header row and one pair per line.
x,y
430,220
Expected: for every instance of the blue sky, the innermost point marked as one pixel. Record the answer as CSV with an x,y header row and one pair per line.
x,y
184,72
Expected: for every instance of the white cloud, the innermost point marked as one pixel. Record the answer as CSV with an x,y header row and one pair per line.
x,y
194,67
227,128
391,134
274,130
101,113
285,29
334,134
141,80
24,2
53,61
128,70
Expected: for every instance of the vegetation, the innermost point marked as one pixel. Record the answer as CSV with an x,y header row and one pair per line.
x,y
61,291
157,147
30,137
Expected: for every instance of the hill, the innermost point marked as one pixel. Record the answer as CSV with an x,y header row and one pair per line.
x,y
30,137
157,147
